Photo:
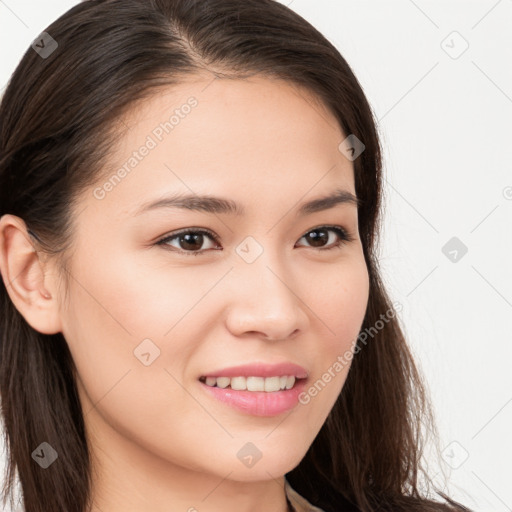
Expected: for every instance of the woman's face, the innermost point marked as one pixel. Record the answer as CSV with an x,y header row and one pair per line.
x,y
145,321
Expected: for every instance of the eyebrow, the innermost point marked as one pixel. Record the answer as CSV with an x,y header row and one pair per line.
x,y
217,205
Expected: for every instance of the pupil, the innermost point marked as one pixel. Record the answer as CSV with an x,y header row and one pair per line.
x,y
186,238
314,238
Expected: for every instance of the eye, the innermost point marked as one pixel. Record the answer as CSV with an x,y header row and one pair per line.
x,y
189,239
192,238
321,234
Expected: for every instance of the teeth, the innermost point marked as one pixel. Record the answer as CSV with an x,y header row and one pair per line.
x,y
211,381
223,382
268,384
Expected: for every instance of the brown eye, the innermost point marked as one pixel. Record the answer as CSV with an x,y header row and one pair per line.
x,y
189,241
319,237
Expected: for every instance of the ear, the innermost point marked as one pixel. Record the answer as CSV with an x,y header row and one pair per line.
x,y
33,293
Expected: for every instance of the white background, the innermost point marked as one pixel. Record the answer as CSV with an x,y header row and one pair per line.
x,y
444,120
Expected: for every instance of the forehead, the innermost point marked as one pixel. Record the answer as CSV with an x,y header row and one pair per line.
x,y
254,139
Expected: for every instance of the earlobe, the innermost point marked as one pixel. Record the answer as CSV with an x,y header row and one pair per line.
x,y
24,277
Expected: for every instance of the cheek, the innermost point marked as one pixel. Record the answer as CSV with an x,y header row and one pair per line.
x,y
124,293
108,319
116,307
339,297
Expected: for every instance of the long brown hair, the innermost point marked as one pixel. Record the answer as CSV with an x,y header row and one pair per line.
x,y
58,122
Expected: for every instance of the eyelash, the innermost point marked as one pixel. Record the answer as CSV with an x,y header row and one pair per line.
x,y
344,236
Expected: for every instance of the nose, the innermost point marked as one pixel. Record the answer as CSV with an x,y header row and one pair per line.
x,y
265,301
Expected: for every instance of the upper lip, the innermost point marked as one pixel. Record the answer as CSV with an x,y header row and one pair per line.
x,y
260,370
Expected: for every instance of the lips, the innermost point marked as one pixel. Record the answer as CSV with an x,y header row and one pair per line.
x,y
257,403
260,370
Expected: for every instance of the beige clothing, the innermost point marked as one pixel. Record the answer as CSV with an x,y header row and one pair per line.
x,y
298,503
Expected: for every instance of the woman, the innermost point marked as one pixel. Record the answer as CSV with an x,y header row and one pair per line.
x,y
267,372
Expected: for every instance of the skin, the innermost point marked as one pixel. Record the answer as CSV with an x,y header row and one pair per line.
x,y
159,442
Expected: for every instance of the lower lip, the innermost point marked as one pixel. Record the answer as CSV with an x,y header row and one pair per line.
x,y
259,403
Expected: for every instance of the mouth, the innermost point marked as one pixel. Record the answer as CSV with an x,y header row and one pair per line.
x,y
253,383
